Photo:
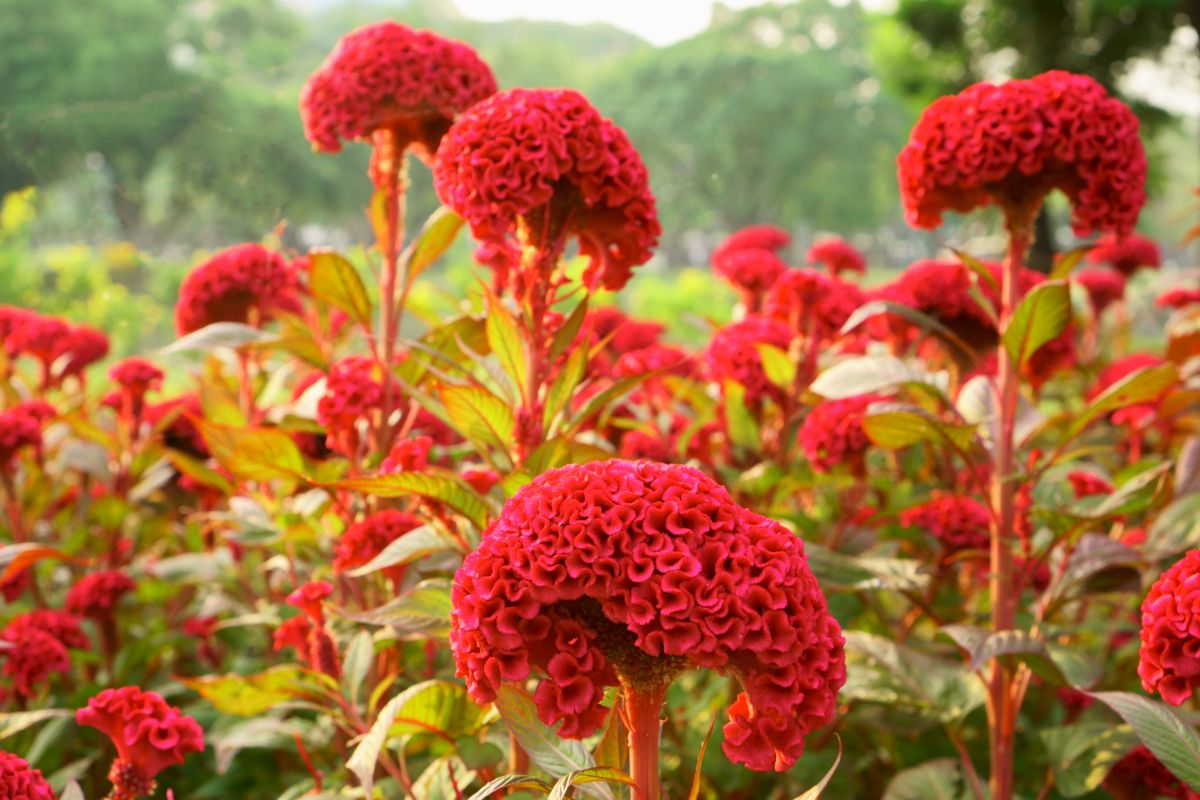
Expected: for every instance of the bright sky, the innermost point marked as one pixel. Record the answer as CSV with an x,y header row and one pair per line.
x,y
658,21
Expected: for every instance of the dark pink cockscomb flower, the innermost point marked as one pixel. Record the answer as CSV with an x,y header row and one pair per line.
x,y
812,304
30,657
752,237
175,419
837,256
137,376
354,393
1141,776
310,598
368,537
1010,144
149,735
407,455
942,290
387,76
1179,297
1103,286
832,433
481,479
959,523
1169,659
529,169
246,283
19,430
733,355
98,593
19,781
1087,484
631,572
1126,254
62,625
81,347
293,633
37,336
751,271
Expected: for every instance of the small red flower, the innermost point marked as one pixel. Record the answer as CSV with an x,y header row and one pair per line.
x,y
407,455
1104,286
1126,254
19,781
733,354
959,523
367,538
1010,144
81,347
751,271
1141,776
753,237
149,735
535,167
310,598
1086,484
31,657
1178,298
293,633
16,584
1116,372
1169,659
634,571
36,336
812,304
389,76
837,255
19,430
832,433
137,376
62,625
481,479
246,283
180,433
354,393
97,594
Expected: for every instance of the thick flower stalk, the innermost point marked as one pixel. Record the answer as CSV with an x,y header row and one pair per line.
x,y
628,573
1169,659
149,736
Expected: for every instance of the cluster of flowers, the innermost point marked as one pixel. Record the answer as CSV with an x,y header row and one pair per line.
x,y
61,349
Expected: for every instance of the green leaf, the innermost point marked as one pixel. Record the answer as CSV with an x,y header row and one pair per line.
x,y
408,547
1082,755
1130,497
602,399
941,779
565,336
435,238
333,279
898,425
1042,315
815,792
743,429
14,722
1093,555
613,748
267,733
480,416
218,335
557,756
356,663
1144,385
581,777
976,266
838,570
443,487
1175,529
779,367
866,374
697,773
504,337
1172,741
565,383
423,612
1066,262
510,782
882,671
248,695
257,454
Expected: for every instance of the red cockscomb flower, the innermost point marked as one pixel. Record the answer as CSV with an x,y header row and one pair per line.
x,y
137,376
832,433
534,167
354,393
1087,484
30,658
1169,660
310,598
389,76
481,479
752,237
407,455
245,283
1126,254
811,303
149,736
97,594
18,430
62,625
1141,776
733,354
959,523
19,781
292,633
634,571
14,585
1010,144
79,349
837,255
751,271
368,537
37,336
1103,286
1178,298
942,290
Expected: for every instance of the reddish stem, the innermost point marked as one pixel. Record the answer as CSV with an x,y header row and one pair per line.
x,y
389,176
643,708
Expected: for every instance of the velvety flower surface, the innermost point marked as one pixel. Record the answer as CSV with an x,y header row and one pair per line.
x,y
811,303
534,167
633,571
367,538
837,256
353,392
1126,254
19,781
81,347
733,354
407,455
233,285
62,625
36,336
31,657
1169,659
1103,286
942,289
1011,143
959,523
149,735
832,432
97,594
387,75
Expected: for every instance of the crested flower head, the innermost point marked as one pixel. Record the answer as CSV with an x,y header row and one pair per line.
x,y
37,336
19,429
354,392
942,289
389,76
1126,254
733,355
1169,659
368,537
310,598
98,593
1087,484
751,270
959,523
137,376
175,418
245,283
62,625
753,237
149,735
19,781
1141,775
1103,286
1010,144
812,303
837,256
31,655
529,169
832,433
81,347
407,455
631,572
1179,297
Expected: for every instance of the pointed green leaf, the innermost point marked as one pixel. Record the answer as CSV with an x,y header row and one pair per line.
x,y
435,238
333,279
1042,315
480,416
815,792
1172,741
441,486
408,547
248,695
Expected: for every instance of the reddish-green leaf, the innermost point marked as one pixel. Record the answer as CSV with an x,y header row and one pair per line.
x,y
480,416
248,695
435,238
441,486
257,454
1042,315
333,279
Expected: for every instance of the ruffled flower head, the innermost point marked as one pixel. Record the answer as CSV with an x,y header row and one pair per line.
x,y
368,537
1088,484
97,594
19,781
1011,144
1103,286
407,455
631,572
310,598
78,350
1180,297
1126,254
354,393
149,736
942,290
750,271
753,237
811,303
137,376
832,433
959,523
837,256
31,657
180,433
62,625
1169,659
19,429
246,283
733,354
36,336
529,169
388,76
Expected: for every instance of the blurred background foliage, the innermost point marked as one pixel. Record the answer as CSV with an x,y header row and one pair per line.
x,y
154,130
